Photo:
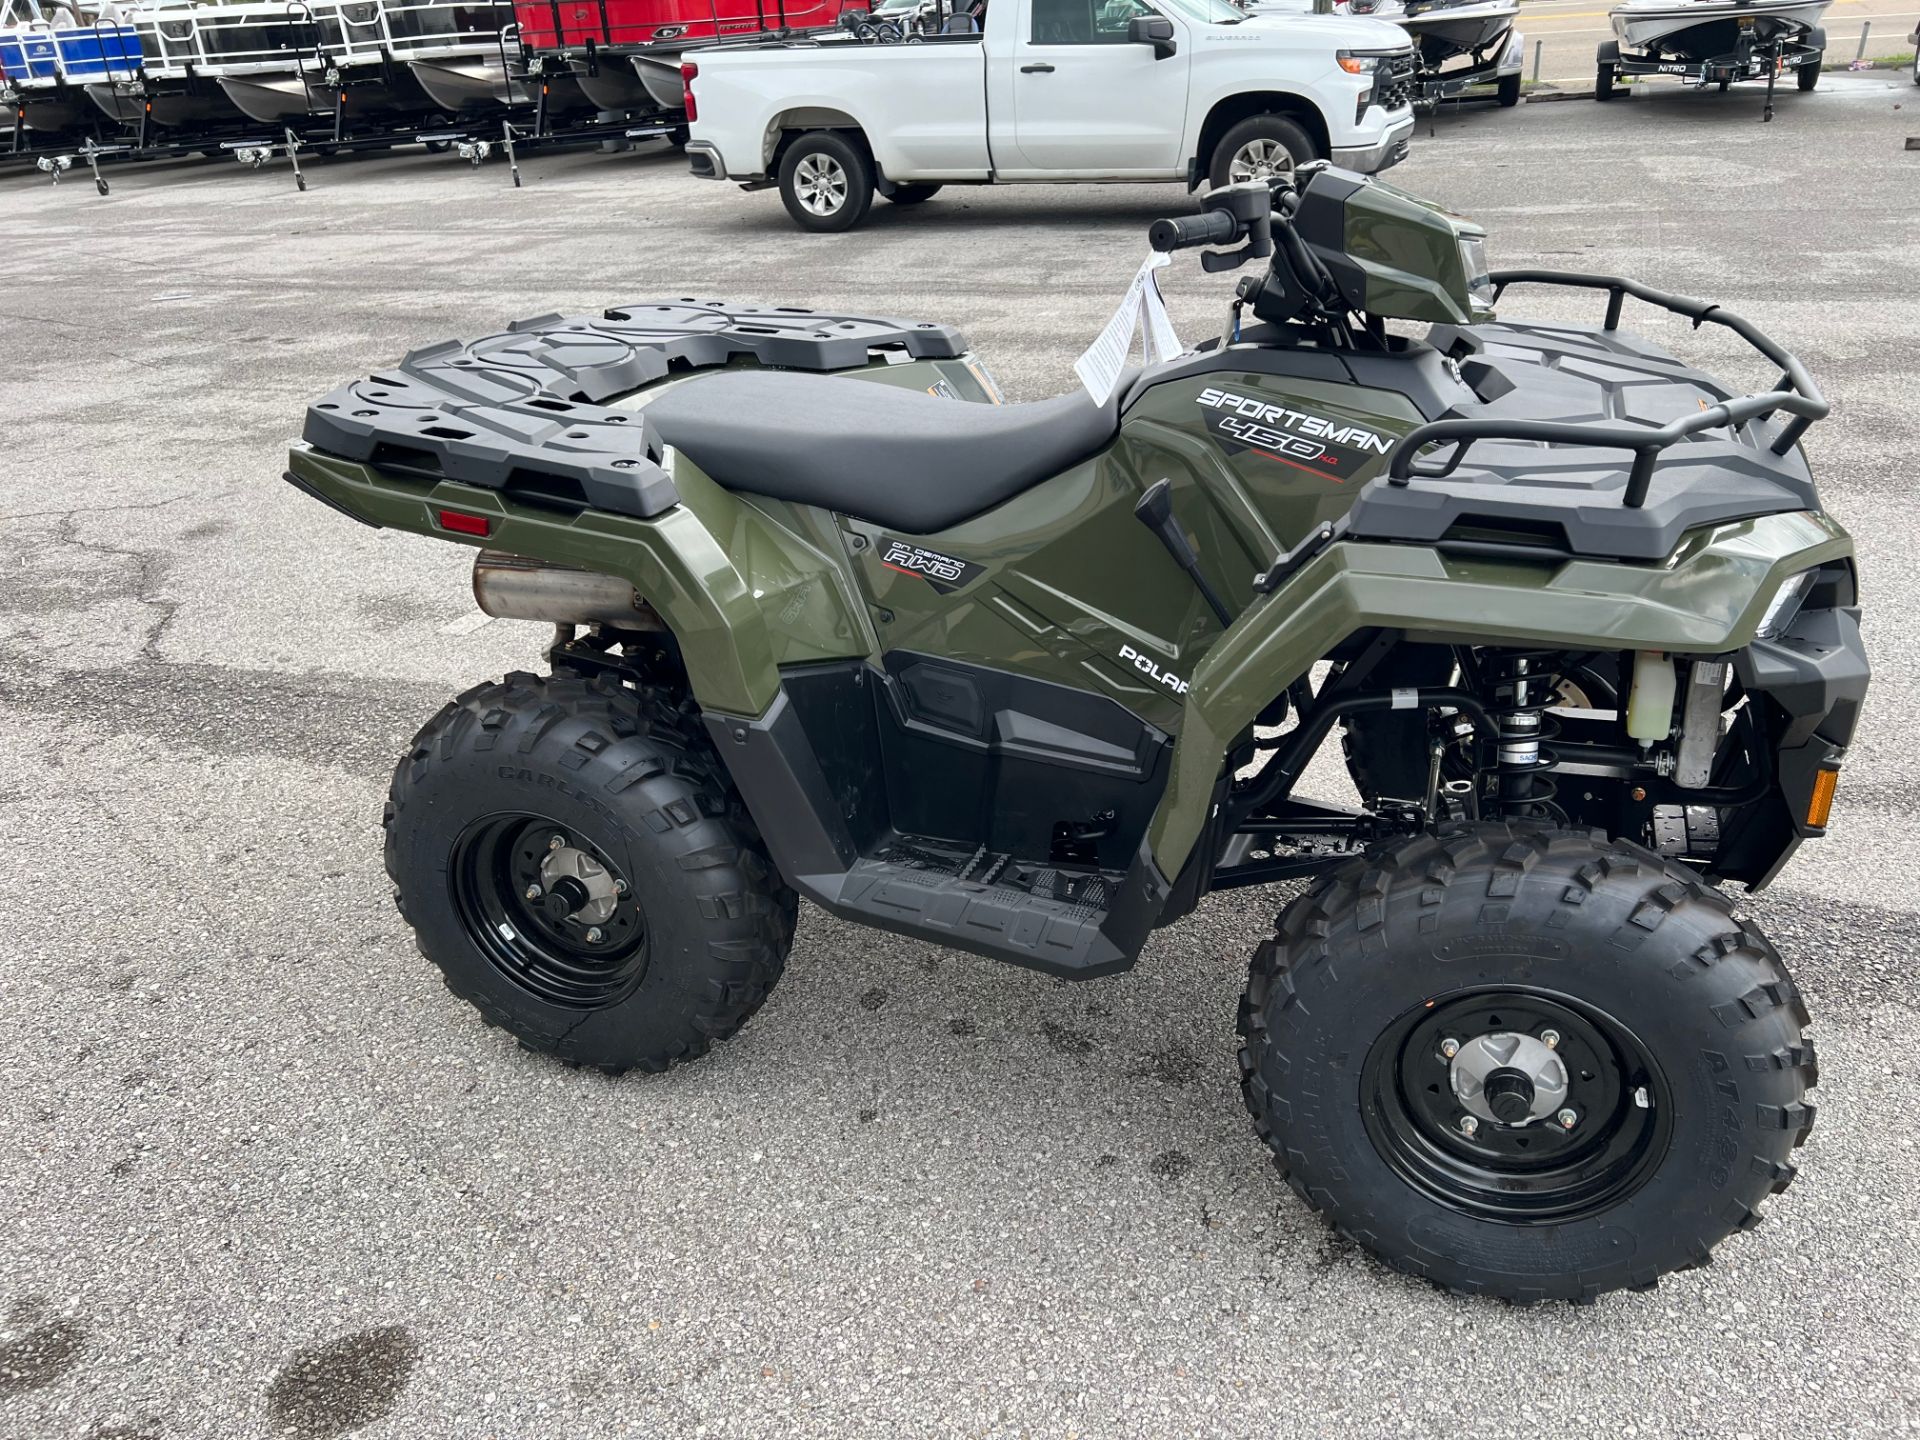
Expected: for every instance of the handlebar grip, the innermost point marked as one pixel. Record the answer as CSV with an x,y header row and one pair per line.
x,y
1211,227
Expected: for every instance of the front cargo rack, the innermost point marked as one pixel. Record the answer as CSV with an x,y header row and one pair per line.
x,y
525,411
1795,394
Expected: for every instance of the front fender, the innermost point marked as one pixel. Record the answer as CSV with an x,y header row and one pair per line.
x,y
1705,599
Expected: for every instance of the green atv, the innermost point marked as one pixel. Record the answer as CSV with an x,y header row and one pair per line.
x,y
1031,680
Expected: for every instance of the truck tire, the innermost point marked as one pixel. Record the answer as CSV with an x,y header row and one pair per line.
x,y
1259,147
572,857
826,181
1507,92
1605,60
912,194
1644,1047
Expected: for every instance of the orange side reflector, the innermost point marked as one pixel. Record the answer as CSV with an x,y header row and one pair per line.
x,y
1820,806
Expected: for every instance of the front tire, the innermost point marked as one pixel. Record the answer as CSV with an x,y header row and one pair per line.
x,y
1605,62
571,855
826,182
1259,148
1544,958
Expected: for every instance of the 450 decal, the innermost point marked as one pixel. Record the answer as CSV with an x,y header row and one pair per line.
x,y
1277,442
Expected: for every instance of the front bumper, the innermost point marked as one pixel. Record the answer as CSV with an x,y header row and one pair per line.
x,y
703,158
1390,149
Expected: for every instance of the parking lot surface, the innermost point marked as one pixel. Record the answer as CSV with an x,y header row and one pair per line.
x,y
263,1175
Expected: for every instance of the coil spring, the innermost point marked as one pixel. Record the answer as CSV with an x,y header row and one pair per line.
x,y
1525,687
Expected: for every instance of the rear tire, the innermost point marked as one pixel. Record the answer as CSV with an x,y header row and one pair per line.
x,y
1653,991
1808,75
912,194
1508,91
1258,147
685,926
826,182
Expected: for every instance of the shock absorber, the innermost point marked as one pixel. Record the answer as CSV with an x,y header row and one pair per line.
x,y
1524,688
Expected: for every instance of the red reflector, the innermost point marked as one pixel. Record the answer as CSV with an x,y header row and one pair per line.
x,y
465,524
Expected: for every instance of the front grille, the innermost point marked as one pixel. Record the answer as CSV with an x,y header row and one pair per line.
x,y
1393,89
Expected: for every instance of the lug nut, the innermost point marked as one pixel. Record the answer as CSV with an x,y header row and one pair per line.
x,y
1449,1047
595,935
556,842
1469,1126
619,887
1550,1039
1568,1119
534,892
1640,1097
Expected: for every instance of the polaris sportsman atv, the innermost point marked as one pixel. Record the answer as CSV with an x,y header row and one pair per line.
x,y
1030,680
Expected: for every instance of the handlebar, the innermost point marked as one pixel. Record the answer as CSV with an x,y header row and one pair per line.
x,y
1211,227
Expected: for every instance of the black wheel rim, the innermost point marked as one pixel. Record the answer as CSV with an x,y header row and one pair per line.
x,y
1539,1172
504,890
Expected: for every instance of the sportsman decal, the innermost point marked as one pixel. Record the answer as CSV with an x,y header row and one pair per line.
x,y
945,573
1312,443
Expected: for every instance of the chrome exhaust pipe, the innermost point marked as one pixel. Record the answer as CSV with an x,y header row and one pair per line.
x,y
515,587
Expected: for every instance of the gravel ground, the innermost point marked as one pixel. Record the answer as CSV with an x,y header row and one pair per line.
x,y
264,1176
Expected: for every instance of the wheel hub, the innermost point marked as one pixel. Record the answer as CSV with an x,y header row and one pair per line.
x,y
579,887
1508,1078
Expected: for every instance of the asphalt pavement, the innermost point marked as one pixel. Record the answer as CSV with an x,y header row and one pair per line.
x,y
261,1175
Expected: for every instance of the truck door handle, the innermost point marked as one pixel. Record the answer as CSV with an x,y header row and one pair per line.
x,y
1041,69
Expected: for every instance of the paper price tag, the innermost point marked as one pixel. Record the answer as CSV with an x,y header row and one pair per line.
x,y
1140,309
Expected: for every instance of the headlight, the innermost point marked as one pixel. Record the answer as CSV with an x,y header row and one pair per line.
x,y
1359,62
1785,605
1473,257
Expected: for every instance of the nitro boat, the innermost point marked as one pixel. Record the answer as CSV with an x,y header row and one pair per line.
x,y
1714,42
1457,43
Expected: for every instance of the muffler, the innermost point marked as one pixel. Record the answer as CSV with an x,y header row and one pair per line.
x,y
515,587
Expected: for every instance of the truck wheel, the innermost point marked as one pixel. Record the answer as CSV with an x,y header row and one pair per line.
x,y
1607,58
571,855
1508,91
826,181
913,194
1259,148
1526,1062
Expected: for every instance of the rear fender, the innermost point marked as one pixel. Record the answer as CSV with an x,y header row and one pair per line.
x,y
743,589
1706,599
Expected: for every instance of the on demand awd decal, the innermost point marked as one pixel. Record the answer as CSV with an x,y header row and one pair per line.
x,y
944,573
1299,438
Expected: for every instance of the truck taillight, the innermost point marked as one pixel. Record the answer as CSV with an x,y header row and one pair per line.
x,y
687,73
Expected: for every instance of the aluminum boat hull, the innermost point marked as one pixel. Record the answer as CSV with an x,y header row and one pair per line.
x,y
612,85
1441,34
1702,30
462,86
275,99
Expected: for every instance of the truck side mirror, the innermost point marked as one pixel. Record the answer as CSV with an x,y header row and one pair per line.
x,y
1154,30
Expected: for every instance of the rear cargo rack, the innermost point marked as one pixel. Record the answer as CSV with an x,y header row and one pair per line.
x,y
525,412
1795,394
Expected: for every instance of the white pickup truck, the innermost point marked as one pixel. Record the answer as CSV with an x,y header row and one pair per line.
x,y
1049,91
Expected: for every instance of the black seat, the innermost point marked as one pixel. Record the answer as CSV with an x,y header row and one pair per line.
x,y
897,457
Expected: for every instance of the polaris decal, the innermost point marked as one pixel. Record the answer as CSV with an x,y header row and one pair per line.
x,y
1152,670
945,573
1299,438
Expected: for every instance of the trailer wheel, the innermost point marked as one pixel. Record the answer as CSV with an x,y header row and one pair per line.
x,y
826,182
1606,59
1526,1062
1508,91
1809,74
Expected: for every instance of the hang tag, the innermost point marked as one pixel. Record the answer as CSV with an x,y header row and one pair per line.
x,y
1142,309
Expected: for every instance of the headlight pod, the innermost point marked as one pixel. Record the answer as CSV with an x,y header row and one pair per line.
x,y
1785,605
1473,259
1360,62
